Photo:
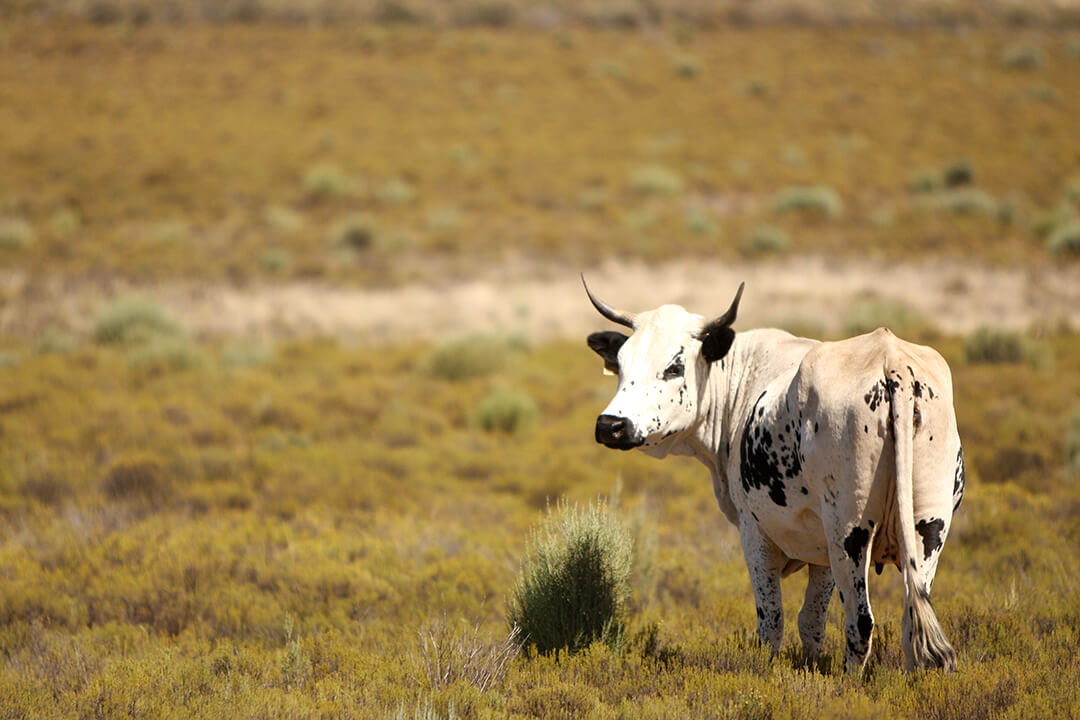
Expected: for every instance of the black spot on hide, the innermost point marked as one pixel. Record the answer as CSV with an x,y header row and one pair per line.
x,y
958,480
855,543
765,462
931,535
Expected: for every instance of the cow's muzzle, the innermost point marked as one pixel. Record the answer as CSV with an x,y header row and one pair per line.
x,y
616,432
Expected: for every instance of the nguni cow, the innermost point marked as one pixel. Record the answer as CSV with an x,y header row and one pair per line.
x,y
832,455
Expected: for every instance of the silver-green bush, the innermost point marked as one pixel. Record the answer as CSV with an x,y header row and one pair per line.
x,y
505,410
573,587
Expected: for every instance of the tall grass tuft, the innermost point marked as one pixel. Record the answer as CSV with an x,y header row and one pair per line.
x,y
573,585
447,656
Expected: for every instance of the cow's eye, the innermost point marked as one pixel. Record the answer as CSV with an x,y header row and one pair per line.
x,y
674,370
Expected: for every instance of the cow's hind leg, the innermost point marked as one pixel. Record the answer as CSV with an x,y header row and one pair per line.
x,y
815,609
849,556
765,562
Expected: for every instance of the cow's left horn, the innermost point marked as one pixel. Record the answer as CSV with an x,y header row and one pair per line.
x,y
615,316
728,318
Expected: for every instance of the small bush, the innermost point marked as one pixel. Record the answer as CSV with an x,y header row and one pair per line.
x,y
275,260
65,222
958,173
54,341
966,201
1046,222
468,357
870,313
813,199
283,220
396,192
766,239
246,354
442,219
137,476
326,180
163,354
687,66
356,232
656,180
1072,447
924,181
132,320
486,14
992,345
572,587
15,233
701,222
1065,239
505,410
1023,57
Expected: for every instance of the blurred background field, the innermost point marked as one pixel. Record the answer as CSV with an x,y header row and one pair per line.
x,y
291,350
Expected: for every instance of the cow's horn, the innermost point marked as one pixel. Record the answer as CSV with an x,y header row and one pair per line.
x,y
728,318
615,316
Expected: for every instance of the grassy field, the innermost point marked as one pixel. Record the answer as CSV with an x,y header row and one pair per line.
x,y
268,529
375,154
242,527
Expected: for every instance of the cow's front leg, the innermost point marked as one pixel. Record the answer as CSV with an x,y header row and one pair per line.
x,y
764,561
815,609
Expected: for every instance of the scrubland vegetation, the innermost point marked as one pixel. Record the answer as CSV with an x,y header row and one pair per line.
x,y
265,526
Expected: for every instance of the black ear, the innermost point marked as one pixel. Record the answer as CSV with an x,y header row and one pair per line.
x,y
715,342
606,345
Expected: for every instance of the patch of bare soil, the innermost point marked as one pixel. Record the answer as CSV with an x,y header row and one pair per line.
x,y
546,302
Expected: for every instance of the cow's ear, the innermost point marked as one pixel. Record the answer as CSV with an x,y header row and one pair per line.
x,y
607,345
715,342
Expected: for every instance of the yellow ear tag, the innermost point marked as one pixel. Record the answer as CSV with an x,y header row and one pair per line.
x,y
607,371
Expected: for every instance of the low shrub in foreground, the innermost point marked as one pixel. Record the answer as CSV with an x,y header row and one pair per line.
x,y
573,587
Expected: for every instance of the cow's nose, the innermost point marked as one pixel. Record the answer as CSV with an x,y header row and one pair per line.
x,y
615,432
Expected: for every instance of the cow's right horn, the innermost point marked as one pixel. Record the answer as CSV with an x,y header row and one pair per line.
x,y
615,316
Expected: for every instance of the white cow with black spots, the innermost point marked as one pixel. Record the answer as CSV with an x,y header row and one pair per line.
x,y
832,455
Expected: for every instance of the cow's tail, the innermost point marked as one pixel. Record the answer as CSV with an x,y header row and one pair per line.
x,y
925,644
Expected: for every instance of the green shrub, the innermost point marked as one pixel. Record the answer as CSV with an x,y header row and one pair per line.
x,y
442,219
327,180
869,313
131,321
471,356
246,354
1046,222
766,239
700,221
656,180
687,66
54,341
992,345
1072,447
572,586
275,260
965,201
813,199
65,221
924,181
494,14
1023,57
1065,239
163,354
505,410
15,233
283,220
356,232
396,192
958,173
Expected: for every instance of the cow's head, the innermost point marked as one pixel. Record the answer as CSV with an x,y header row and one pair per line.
x,y
662,367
